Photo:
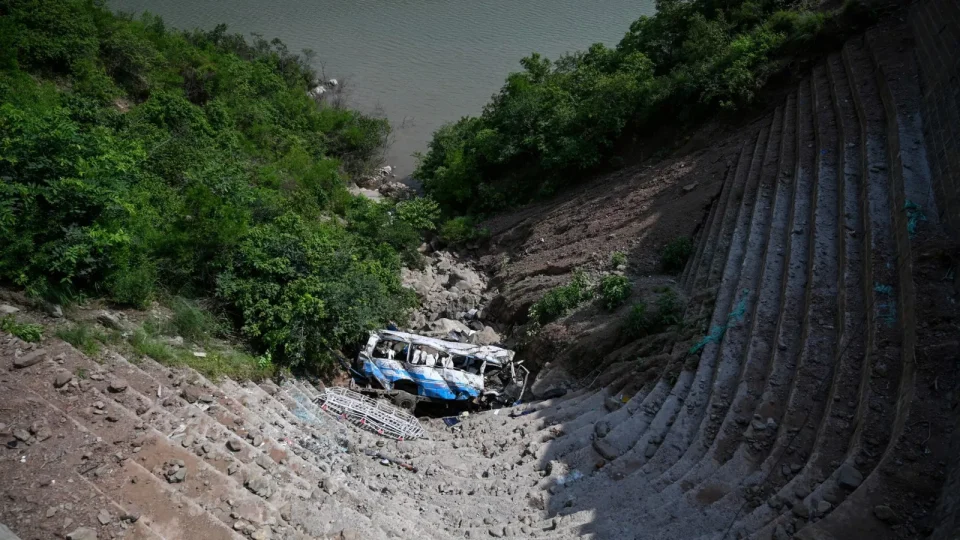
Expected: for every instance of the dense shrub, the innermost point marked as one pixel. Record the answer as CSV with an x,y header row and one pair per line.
x,y
618,259
641,321
614,291
674,255
561,300
552,121
26,331
137,161
638,323
460,230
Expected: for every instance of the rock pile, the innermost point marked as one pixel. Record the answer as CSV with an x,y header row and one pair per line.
x,y
453,296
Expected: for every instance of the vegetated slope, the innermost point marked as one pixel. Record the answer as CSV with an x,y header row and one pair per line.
x,y
138,161
809,389
808,392
555,122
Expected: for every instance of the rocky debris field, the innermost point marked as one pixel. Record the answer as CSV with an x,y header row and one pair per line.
x,y
454,296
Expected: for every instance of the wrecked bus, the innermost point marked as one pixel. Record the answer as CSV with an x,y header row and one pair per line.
x,y
409,368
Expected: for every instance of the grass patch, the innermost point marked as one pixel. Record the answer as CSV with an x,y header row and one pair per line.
x,y
618,259
26,331
642,321
189,320
614,291
219,362
561,300
84,336
675,254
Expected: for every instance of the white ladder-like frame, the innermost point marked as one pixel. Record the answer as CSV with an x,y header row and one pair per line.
x,y
376,416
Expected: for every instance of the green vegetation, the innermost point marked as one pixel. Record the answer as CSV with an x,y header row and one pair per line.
x,y
674,255
555,121
460,230
641,322
26,331
217,361
84,336
618,259
189,320
614,291
561,300
137,161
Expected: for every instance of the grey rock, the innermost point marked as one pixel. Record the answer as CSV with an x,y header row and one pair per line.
x,y
62,379
83,533
234,445
329,485
104,517
650,451
6,309
487,336
612,404
53,310
885,513
689,187
259,485
800,510
233,468
823,507
116,386
30,359
177,476
602,428
605,449
109,320
849,477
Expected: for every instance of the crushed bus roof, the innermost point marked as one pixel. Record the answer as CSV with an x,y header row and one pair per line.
x,y
491,354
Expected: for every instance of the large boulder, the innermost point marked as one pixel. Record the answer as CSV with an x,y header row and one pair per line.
x,y
487,336
446,326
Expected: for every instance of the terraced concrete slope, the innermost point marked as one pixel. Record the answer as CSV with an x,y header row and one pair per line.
x,y
814,400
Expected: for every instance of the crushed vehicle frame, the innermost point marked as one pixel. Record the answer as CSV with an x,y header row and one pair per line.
x,y
410,368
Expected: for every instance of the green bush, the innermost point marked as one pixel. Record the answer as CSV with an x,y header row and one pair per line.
x,y
675,254
136,160
561,300
84,336
460,230
641,322
614,291
669,309
552,122
26,331
638,323
191,321
618,259
421,213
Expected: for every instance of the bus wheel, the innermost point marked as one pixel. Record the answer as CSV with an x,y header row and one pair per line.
x,y
405,401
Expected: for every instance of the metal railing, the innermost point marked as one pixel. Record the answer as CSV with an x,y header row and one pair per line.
x,y
376,416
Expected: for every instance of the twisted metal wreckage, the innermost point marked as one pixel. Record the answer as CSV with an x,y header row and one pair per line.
x,y
409,368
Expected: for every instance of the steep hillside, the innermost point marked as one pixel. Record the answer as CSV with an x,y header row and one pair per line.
x,y
799,381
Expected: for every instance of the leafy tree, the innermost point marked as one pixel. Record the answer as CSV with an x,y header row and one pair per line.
x,y
137,161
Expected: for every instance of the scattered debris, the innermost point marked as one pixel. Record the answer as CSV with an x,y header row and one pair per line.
x,y
387,460
376,416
